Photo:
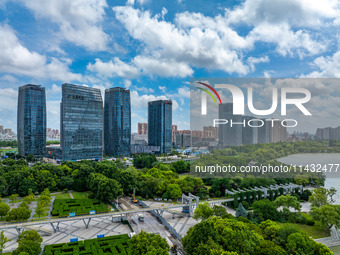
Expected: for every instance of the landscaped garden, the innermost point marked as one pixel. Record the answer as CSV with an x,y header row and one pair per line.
x,y
105,245
62,207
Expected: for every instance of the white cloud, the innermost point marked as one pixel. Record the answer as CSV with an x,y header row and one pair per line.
x,y
197,41
141,101
16,59
162,88
8,107
252,61
162,67
288,42
113,68
127,84
329,67
184,92
295,12
171,50
79,21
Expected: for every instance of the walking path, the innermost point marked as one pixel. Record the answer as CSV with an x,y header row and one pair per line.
x,y
70,193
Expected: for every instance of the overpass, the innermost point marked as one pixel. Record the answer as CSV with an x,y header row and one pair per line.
x,y
159,209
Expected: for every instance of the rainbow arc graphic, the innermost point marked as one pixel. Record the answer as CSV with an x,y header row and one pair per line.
x,y
209,93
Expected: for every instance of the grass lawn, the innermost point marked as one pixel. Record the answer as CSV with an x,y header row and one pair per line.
x,y
315,231
81,195
335,249
62,195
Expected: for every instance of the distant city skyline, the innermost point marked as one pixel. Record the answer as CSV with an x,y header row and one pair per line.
x,y
102,44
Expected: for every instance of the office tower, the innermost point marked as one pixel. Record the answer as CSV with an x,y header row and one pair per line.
x,y
1,130
142,128
173,133
278,132
81,122
160,124
117,122
183,140
264,132
31,120
229,135
250,134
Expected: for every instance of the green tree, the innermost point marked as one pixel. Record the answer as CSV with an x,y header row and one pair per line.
x,y
265,210
328,215
241,211
173,191
287,202
30,197
144,161
203,211
232,235
3,185
269,229
29,235
39,209
219,210
148,244
321,196
13,198
17,214
105,189
28,246
3,240
4,209
299,244
268,247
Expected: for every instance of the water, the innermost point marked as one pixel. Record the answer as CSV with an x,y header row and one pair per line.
x,y
319,158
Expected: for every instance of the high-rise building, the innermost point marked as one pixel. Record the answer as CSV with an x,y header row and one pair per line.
x,y
160,124
229,135
183,140
1,130
173,133
31,120
81,122
142,128
117,122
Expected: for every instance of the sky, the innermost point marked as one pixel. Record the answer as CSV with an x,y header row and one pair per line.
x,y
154,47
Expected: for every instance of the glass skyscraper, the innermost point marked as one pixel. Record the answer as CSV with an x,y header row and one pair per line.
x,y
31,120
117,122
81,122
160,124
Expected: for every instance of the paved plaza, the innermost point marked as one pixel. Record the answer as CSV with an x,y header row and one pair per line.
x,y
71,229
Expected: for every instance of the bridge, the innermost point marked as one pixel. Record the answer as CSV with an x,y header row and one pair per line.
x,y
159,209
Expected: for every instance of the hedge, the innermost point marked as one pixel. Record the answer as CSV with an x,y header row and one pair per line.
x,y
100,246
62,207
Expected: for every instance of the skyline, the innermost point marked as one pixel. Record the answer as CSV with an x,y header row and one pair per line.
x,y
102,44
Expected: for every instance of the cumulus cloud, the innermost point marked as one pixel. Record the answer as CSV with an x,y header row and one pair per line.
x,y
162,88
141,101
79,21
172,50
329,67
295,12
17,59
113,68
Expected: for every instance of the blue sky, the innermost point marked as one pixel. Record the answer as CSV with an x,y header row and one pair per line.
x,y
154,47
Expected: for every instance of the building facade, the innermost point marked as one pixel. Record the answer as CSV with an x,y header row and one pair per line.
x,y
31,120
117,122
81,122
142,128
160,124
